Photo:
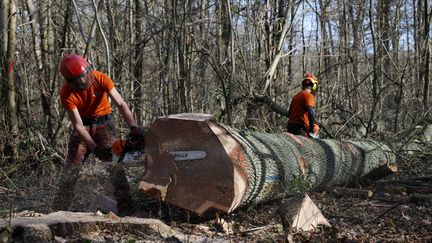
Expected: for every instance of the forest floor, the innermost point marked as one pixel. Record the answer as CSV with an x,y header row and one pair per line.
x,y
400,209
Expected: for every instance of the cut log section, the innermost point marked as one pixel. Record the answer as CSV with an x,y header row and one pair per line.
x,y
62,224
244,168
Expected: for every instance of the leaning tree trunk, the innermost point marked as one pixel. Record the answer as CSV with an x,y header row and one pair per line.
x,y
197,164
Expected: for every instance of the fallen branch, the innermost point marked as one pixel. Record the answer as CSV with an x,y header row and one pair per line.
x,y
382,171
273,105
389,210
7,177
351,192
4,188
407,180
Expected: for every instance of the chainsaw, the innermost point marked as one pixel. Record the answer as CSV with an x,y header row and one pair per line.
x,y
127,152
132,153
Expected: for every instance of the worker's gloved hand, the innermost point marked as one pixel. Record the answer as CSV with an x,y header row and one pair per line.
x,y
314,132
313,135
136,135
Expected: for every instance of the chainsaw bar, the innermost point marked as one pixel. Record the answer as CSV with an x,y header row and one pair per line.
x,y
130,153
133,157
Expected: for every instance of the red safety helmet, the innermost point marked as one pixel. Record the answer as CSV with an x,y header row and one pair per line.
x,y
73,66
310,80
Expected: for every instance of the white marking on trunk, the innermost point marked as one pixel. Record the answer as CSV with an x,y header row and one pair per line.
x,y
188,155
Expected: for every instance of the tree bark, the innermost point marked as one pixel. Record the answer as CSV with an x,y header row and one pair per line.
x,y
232,59
226,38
4,7
107,49
139,67
426,55
9,71
287,26
35,34
46,82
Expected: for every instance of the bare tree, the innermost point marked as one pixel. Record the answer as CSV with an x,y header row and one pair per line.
x,y
139,57
426,54
8,72
239,60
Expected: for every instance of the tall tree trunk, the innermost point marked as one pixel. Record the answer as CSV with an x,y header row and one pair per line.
x,y
324,43
139,62
91,36
283,27
291,34
224,41
4,14
231,56
169,60
417,44
343,55
426,54
178,32
396,75
376,64
384,42
102,33
202,64
113,25
47,80
356,15
35,34
9,63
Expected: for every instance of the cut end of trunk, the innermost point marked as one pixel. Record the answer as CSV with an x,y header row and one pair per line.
x,y
191,163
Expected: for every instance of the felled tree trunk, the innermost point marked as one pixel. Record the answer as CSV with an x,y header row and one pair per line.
x,y
197,164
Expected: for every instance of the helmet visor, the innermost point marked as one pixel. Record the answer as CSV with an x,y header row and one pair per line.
x,y
75,79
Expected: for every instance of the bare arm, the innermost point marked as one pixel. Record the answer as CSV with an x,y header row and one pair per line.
x,y
123,107
78,125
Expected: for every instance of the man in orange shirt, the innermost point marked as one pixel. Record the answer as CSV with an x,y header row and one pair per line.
x,y
84,96
301,114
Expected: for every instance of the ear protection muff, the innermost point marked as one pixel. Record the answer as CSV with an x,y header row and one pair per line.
x,y
314,86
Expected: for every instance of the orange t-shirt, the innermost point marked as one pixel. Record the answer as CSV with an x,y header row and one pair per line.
x,y
298,112
93,101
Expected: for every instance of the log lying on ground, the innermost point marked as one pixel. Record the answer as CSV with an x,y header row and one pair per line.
x,y
56,226
242,168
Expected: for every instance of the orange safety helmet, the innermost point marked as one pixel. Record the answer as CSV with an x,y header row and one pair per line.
x,y
310,79
73,66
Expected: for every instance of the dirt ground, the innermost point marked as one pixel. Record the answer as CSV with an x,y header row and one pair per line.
x,y
400,209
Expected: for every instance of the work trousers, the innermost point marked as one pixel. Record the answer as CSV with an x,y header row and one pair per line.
x,y
104,136
297,129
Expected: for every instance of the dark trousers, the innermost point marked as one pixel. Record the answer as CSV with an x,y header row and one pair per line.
x,y
296,129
